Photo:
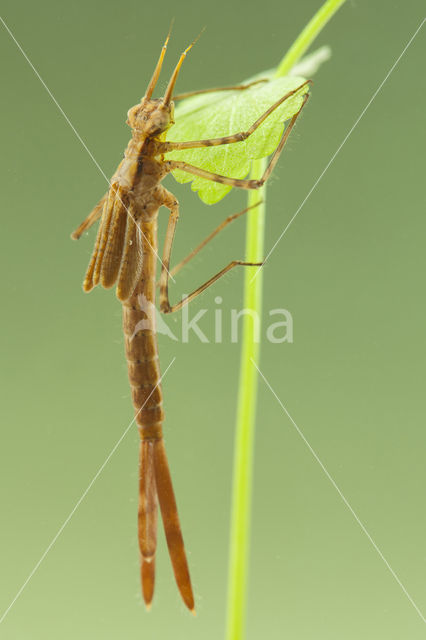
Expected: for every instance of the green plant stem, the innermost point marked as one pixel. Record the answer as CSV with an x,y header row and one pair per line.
x,y
246,412
308,35
247,393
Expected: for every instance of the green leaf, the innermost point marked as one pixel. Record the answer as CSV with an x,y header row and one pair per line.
x,y
223,113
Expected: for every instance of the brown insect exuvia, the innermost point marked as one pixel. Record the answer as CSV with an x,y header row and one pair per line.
x,y
125,254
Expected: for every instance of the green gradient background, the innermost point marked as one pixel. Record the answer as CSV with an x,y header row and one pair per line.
x,y
351,269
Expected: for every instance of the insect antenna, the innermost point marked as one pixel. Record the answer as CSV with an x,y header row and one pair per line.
x,y
157,71
171,85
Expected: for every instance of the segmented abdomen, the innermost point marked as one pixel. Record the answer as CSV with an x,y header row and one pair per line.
x,y
141,344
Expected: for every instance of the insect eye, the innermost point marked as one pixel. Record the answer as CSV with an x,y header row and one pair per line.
x,y
131,114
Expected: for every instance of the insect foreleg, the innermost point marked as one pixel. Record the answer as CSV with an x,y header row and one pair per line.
x,y
235,137
237,182
171,165
238,87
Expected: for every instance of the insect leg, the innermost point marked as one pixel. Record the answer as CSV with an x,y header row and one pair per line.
x,y
235,137
165,306
171,165
171,203
212,235
274,158
237,182
94,215
238,87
